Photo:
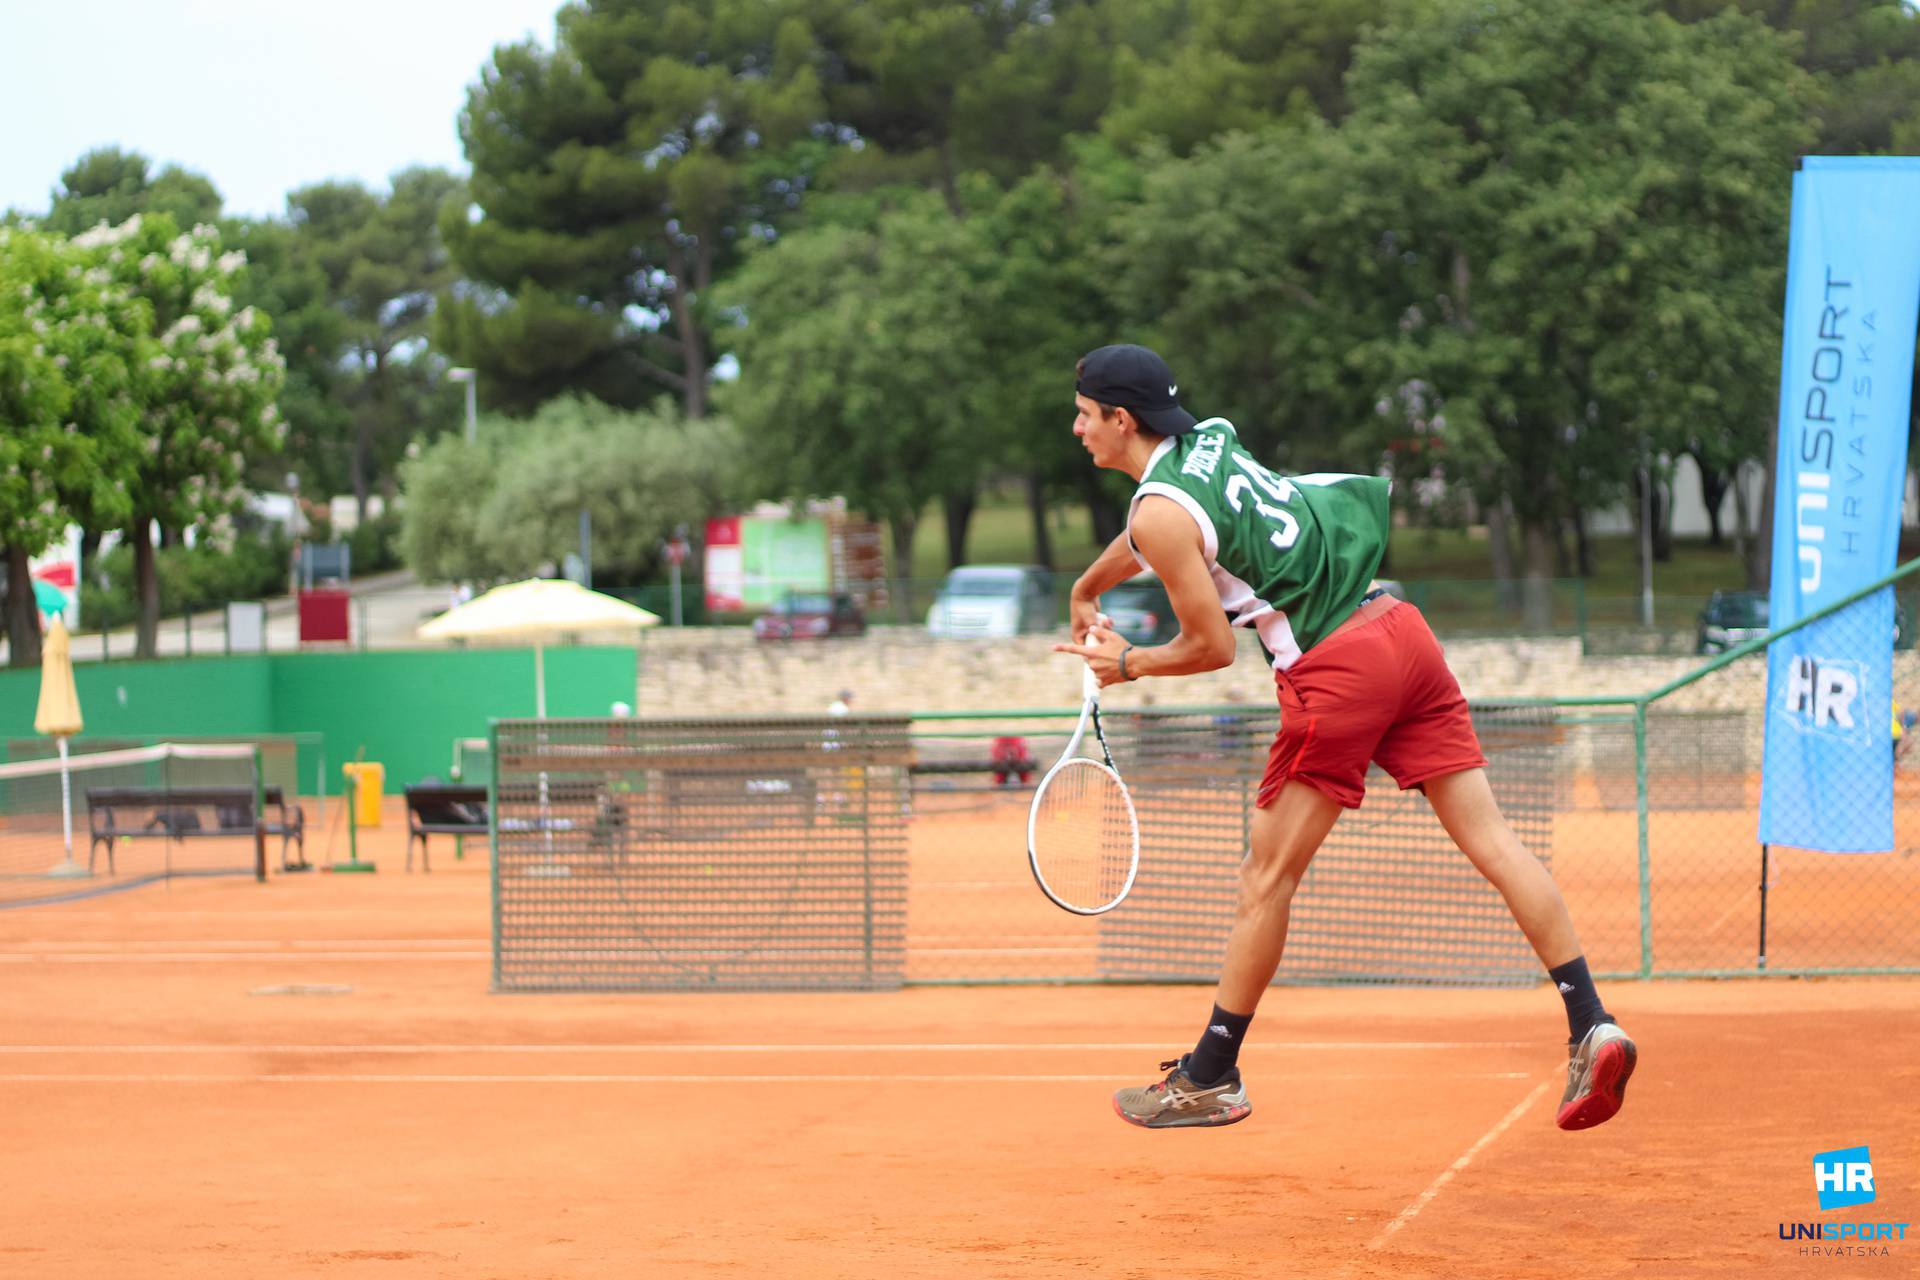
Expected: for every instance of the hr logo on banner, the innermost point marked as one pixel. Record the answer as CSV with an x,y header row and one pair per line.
x,y
1822,695
1843,1178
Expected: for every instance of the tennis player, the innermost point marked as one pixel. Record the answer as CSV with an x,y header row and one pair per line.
x,y
1360,678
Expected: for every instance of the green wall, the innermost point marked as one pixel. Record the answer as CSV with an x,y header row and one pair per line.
x,y
403,708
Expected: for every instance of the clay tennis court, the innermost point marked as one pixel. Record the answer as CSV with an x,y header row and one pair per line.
x,y
212,1078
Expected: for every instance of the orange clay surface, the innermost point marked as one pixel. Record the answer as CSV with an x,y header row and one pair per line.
x,y
171,1107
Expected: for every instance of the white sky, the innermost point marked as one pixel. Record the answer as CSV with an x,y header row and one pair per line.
x,y
261,96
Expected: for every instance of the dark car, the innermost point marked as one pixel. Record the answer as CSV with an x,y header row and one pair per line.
x,y
809,617
1140,610
1730,618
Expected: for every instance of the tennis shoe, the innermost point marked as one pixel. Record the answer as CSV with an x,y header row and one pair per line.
x,y
1598,1068
1178,1103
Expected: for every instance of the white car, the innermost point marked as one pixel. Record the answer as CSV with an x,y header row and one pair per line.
x,y
985,600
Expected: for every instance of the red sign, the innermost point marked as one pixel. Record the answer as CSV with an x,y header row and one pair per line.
x,y
58,574
726,572
324,616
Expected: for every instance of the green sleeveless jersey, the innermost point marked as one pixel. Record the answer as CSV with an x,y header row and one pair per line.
x,y
1290,556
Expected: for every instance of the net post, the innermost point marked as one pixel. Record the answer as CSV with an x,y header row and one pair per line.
x,y
1646,866
866,861
259,817
1760,960
493,837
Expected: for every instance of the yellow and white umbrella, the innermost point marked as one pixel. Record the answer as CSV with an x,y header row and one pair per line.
x,y
58,717
534,612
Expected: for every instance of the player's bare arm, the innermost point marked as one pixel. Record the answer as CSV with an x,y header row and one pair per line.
x,y
1169,541
1115,565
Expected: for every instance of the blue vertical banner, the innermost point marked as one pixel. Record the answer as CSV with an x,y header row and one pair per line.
x,y
1846,378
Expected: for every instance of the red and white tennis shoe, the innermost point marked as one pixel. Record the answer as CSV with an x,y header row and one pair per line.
x,y
1598,1069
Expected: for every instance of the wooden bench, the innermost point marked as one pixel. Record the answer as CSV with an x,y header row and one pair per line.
x,y
189,813
446,809
458,809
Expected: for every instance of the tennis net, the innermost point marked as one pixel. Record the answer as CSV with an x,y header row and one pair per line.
x,y
106,820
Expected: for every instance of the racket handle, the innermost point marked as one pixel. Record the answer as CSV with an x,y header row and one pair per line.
x,y
1089,685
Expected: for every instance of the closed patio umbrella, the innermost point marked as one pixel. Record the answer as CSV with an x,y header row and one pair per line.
x,y
58,717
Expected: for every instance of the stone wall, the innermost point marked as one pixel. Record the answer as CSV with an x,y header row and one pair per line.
x,y
708,671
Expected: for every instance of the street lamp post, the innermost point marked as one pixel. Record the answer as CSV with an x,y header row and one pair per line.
x,y
469,377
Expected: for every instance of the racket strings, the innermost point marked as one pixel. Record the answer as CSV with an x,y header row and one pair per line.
x,y
1084,836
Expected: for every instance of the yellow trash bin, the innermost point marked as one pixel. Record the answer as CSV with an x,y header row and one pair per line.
x,y
368,780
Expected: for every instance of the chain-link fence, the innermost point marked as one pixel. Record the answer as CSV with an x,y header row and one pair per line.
x,y
872,851
1656,840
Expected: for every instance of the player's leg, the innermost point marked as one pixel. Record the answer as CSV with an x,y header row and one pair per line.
x,y
1330,720
1434,747
1465,805
1600,1057
1282,840
1203,1088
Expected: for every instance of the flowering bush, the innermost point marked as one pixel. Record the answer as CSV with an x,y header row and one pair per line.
x,y
69,338
209,380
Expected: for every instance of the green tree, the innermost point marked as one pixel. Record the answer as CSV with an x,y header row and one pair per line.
x,y
1236,65
1545,233
1597,238
383,262
207,391
446,485
1036,303
509,505
108,185
615,178
860,374
638,475
1864,56
935,90
68,337
285,282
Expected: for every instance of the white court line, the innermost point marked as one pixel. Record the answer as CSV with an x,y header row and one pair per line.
x,y
1064,1047
1426,1197
681,1078
211,957
237,944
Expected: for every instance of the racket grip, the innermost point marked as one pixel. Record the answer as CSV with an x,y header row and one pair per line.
x,y
1089,685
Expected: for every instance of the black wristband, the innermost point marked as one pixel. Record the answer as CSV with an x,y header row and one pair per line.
x,y
1123,662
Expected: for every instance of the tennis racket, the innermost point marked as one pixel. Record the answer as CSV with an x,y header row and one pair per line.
x,y
1083,840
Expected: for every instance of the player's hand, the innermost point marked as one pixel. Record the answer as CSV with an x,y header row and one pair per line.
x,y
1083,616
1101,648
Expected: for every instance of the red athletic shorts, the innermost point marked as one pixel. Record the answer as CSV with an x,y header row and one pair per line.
x,y
1381,691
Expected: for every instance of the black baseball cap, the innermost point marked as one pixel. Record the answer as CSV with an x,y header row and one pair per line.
x,y
1137,380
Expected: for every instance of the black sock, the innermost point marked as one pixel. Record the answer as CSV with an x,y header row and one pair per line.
x,y
1219,1047
1583,1002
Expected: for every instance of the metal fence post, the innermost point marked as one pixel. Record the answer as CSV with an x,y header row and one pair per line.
x,y
1646,865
